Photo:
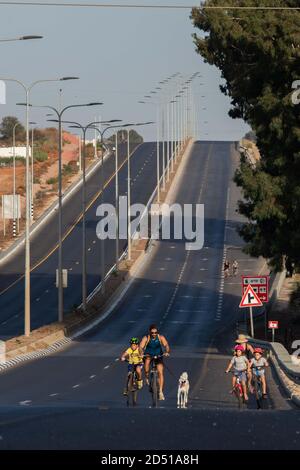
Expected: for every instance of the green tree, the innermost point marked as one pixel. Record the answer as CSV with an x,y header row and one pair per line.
x,y
258,54
7,125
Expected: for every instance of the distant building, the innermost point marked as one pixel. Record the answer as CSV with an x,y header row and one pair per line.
x,y
8,152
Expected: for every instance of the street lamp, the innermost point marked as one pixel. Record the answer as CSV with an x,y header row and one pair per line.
x,y
129,189
32,181
14,183
84,130
21,38
157,146
27,90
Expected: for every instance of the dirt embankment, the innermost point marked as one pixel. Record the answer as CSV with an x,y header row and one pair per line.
x,y
45,176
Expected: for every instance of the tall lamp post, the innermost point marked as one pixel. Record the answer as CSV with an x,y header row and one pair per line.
x,y
157,146
59,115
84,130
32,169
101,133
27,90
129,190
15,226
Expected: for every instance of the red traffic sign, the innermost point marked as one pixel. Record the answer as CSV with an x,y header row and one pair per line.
x,y
260,286
273,325
250,298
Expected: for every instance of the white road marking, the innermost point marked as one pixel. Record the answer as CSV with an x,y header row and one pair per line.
x,y
25,402
203,269
94,241
75,386
106,367
161,269
53,394
70,269
38,299
89,249
92,376
147,296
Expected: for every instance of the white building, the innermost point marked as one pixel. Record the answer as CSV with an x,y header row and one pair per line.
x,y
7,152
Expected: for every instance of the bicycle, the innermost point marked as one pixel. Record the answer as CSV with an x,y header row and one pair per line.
x,y
131,387
153,380
238,390
258,388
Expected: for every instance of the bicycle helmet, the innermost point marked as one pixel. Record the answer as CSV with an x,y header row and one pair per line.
x,y
134,340
239,347
258,350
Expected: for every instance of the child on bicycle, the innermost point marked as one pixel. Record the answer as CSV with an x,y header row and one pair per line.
x,y
135,360
258,364
240,365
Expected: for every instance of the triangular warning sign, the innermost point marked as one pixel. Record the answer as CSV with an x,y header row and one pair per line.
x,y
250,298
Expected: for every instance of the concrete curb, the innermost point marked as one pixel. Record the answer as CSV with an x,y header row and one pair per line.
x,y
113,301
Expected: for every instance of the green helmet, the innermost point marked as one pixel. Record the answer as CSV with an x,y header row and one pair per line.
x,y
134,340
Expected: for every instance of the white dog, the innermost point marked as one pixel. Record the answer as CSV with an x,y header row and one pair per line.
x,y
183,390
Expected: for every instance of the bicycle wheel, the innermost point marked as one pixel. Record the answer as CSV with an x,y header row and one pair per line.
x,y
258,392
154,389
239,396
132,390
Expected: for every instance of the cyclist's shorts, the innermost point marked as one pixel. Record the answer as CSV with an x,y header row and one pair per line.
x,y
259,372
159,360
132,366
241,375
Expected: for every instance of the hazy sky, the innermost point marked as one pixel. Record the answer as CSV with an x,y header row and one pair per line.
x,y
119,55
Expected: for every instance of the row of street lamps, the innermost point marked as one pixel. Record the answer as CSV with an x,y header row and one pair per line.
x,y
174,114
29,196
176,134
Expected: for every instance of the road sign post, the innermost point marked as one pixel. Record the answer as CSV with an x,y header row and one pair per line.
x,y
251,322
273,325
250,299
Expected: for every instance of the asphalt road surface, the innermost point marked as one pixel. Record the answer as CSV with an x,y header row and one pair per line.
x,y
73,399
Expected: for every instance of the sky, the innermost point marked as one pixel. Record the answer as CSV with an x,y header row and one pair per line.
x,y
119,55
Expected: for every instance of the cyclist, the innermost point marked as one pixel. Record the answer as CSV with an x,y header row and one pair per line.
x,y
248,350
135,359
226,268
235,267
240,365
152,345
258,364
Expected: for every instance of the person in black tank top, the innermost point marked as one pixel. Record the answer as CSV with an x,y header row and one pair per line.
x,y
152,345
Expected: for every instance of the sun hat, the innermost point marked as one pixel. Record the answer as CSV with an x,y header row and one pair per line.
x,y
241,339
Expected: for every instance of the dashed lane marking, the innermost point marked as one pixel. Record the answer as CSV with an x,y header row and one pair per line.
x,y
25,402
